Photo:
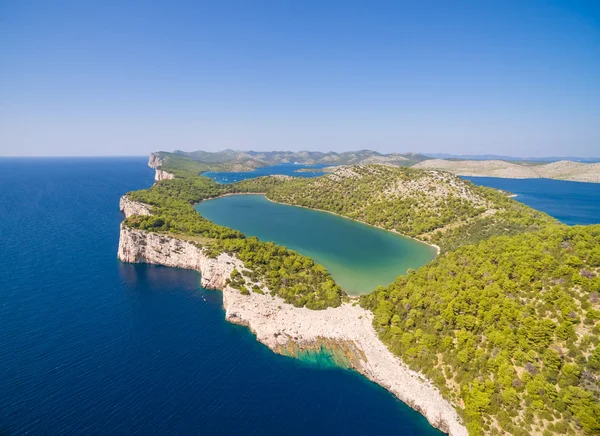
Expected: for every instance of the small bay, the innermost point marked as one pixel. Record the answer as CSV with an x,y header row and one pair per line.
x,y
358,256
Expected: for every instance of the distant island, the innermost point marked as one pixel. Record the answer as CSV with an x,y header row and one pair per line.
x,y
499,334
561,170
231,160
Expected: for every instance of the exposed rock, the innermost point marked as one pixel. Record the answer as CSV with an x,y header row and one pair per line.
x,y
155,161
283,328
130,207
139,246
280,326
162,175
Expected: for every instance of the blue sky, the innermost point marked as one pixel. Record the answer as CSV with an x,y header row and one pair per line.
x,y
126,78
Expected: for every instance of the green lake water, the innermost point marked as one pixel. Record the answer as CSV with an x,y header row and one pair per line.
x,y
358,256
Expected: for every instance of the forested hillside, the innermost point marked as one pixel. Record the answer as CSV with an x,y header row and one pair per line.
x,y
508,328
433,206
295,278
505,322
232,160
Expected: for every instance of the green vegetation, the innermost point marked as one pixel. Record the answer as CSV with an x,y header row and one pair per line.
x,y
231,160
434,207
505,322
507,328
295,278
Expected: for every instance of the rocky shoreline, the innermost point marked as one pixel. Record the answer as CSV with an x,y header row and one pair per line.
x,y
285,329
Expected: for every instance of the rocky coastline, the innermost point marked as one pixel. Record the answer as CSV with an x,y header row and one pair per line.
x,y
285,329
156,162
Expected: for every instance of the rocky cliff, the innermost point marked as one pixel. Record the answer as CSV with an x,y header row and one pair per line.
x,y
286,329
139,246
156,162
130,207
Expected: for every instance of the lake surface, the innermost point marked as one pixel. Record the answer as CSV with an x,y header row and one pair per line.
x,y
287,169
570,202
94,346
359,257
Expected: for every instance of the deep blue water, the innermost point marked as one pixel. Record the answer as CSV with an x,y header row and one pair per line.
x,y
93,346
570,202
287,169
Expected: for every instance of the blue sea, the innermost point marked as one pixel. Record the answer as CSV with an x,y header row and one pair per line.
x,y
90,345
286,169
570,202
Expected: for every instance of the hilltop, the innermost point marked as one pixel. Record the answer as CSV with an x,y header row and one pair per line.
x,y
562,170
198,162
232,160
507,328
432,206
504,324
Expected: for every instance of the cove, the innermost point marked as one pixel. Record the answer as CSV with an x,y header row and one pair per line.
x,y
359,257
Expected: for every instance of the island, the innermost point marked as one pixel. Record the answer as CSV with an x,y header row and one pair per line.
x,y
560,170
513,168
499,334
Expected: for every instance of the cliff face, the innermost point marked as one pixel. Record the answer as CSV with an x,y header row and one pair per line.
x,y
139,246
349,331
130,207
156,162
162,175
285,329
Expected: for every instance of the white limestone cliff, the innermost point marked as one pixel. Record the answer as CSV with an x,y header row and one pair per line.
x,y
162,175
130,207
283,327
156,162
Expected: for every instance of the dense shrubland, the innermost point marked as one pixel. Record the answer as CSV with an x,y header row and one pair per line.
x,y
508,328
432,206
295,278
505,322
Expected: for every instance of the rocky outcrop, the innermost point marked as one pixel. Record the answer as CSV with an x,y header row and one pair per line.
x,y
284,328
140,246
562,170
162,175
130,207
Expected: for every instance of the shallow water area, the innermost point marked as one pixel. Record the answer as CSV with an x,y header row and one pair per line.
x,y
359,257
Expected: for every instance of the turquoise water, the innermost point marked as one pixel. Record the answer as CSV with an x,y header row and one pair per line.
x,y
359,257
287,169
570,202
93,346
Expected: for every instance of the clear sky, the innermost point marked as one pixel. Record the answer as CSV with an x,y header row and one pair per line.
x,y
126,78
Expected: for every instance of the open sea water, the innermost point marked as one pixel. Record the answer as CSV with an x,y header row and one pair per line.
x,y
90,345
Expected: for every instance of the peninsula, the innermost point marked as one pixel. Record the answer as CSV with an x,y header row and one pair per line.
x,y
231,160
498,334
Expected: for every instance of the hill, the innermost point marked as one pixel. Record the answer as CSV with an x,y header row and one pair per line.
x,y
231,160
505,322
432,206
562,170
507,328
